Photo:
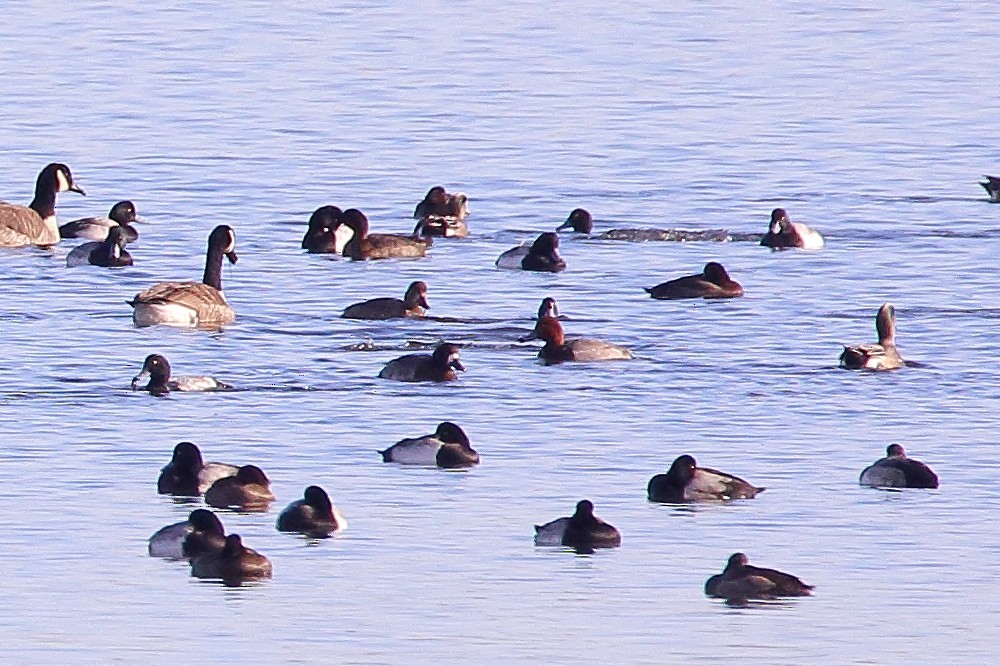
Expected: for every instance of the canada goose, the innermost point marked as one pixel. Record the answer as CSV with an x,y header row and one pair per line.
x,y
35,224
96,228
109,252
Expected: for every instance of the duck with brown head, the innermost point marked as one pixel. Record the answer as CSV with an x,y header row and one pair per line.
x,y
448,447
541,256
442,214
437,367
557,350
247,490
35,224
187,474
582,531
362,245
712,282
314,515
233,564
413,304
782,233
882,355
740,581
898,471
321,236
685,481
580,220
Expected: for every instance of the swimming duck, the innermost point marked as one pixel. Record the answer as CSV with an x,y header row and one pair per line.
x,y
248,490
413,305
580,220
442,214
583,530
448,447
898,471
713,282
188,474
191,303
201,533
233,564
322,236
686,482
783,233
437,367
542,255
741,581
313,515
362,245
881,355
992,187
96,228
109,253
35,224
548,308
558,350
157,368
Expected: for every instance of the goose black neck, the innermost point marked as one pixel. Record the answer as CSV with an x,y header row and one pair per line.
x,y
213,269
44,202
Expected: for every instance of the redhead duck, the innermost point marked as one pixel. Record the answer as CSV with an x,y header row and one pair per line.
x,y
557,350
783,233
686,482
881,355
188,474
542,255
122,215
191,303
321,237
413,305
583,531
233,563
437,367
313,515
109,253
898,471
740,581
580,221
247,490
157,368
713,282
992,187
362,245
548,308
35,224
442,214
448,447
201,533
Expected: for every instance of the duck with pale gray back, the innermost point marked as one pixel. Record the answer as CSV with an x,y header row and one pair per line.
x,y
187,474
109,253
898,471
448,447
96,228
542,256
685,481
157,368
557,350
201,533
583,531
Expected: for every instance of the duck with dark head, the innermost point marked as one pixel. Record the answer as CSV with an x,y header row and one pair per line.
x,y
442,214
362,245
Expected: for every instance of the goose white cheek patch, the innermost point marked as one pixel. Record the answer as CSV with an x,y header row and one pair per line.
x,y
62,183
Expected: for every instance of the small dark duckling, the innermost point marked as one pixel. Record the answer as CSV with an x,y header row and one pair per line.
x,y
313,515
201,533
442,214
686,482
187,474
122,215
362,245
414,304
157,368
580,221
992,187
437,367
583,531
321,236
233,564
557,350
740,581
248,490
448,447
882,355
542,256
783,233
713,282
898,471
109,253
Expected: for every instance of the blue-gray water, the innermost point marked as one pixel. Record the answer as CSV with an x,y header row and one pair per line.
x,y
870,124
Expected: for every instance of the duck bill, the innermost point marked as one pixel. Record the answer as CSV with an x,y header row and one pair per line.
x,y
423,303
565,225
231,256
457,365
138,378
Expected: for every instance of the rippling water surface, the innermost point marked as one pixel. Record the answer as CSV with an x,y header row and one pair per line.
x,y
870,124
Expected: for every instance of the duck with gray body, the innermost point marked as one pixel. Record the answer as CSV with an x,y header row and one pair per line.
x,y
413,304
96,228
201,533
992,187
882,355
35,224
898,471
448,447
442,214
558,350
685,481
740,581
437,367
541,256
782,233
232,564
712,282
314,515
109,253
187,474
583,531
157,368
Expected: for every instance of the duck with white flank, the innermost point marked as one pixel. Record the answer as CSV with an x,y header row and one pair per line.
x,y
157,368
448,447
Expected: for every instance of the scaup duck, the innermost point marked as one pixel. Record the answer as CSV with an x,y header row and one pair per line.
x,y
898,471
35,224
201,533
448,447
187,474
234,563
712,282
247,490
191,303
881,355
583,530
992,187
362,245
109,253
413,305
557,350
686,482
783,233
542,256
157,368
442,214
580,220
740,581
122,215
437,367
321,236
313,515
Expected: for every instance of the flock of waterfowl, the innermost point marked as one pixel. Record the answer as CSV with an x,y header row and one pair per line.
x,y
202,539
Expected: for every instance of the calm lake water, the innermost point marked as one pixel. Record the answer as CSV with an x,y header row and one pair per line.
x,y
870,124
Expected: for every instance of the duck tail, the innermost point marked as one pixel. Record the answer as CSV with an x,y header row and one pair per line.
x,y
132,303
384,454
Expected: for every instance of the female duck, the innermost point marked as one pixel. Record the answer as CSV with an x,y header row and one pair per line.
x,y
414,304
557,350
686,482
442,214
583,530
448,447
188,474
313,515
713,282
109,253
437,367
542,256
35,224
248,490
362,245
321,237
234,563
881,355
783,233
898,471
992,187
157,368
201,533
122,215
741,581
191,303
580,220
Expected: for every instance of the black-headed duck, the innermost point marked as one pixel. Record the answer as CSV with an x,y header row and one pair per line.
x,y
157,368
414,304
898,471
783,233
187,474
583,531
122,215
542,255
557,350
442,214
108,253
321,237
35,224
233,564
580,220
740,581
313,515
247,490
712,282
448,447
201,533
992,187
362,245
437,367
548,308
686,482
878,356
